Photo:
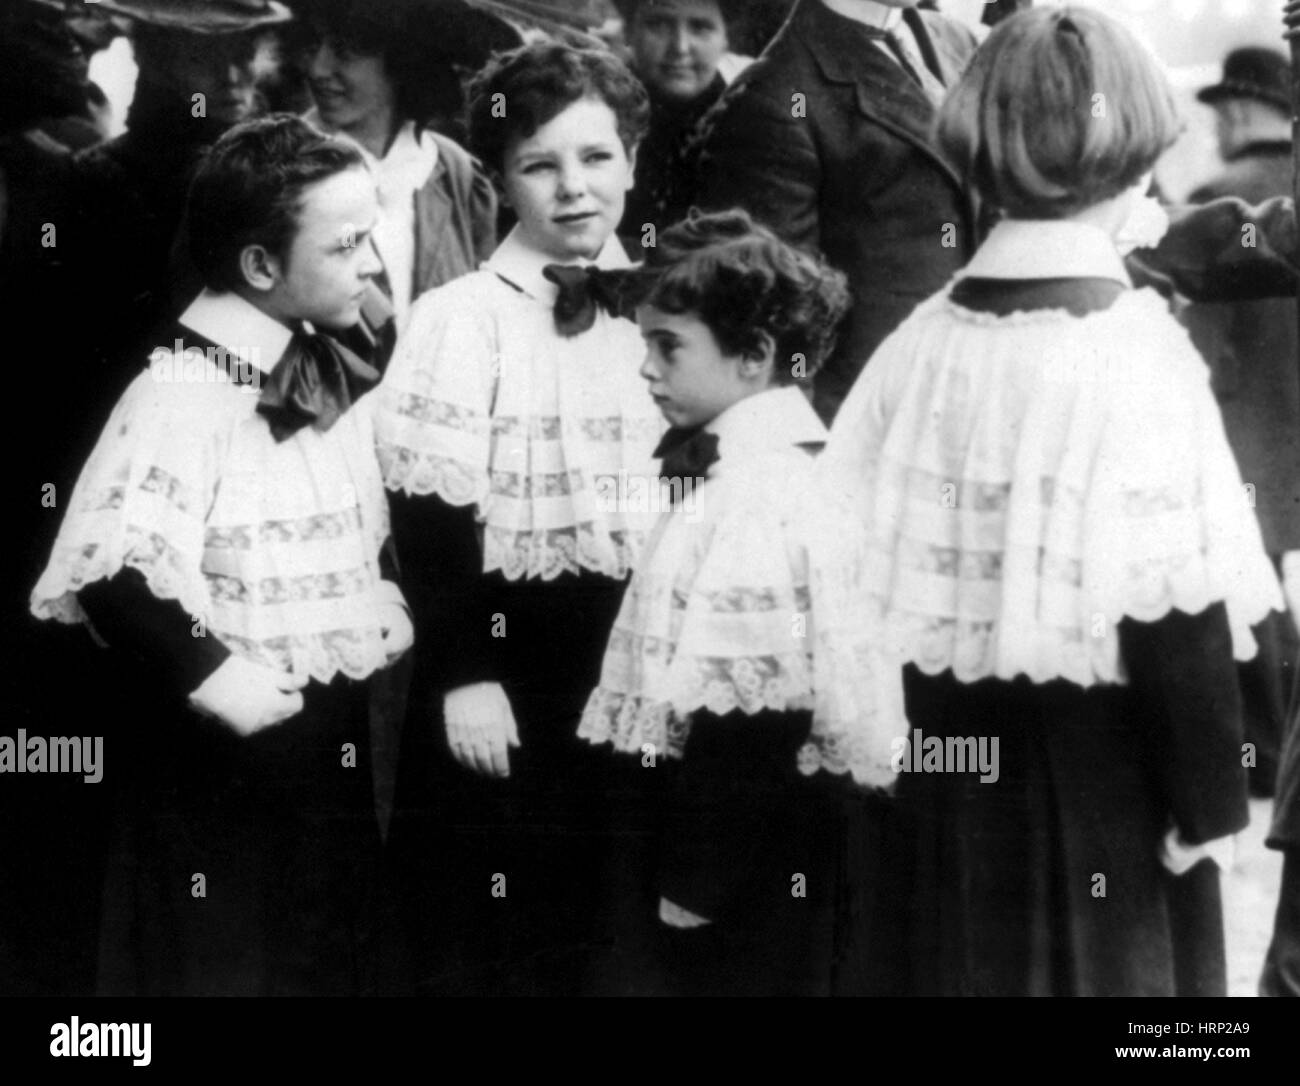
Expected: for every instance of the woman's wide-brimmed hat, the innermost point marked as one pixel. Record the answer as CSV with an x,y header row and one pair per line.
x,y
202,16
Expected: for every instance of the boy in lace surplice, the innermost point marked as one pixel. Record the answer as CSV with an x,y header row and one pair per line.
x,y
708,667
1036,502
225,537
511,405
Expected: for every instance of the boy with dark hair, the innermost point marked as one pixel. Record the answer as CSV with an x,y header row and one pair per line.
x,y
227,533
708,662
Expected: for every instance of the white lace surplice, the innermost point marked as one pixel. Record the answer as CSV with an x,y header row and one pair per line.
x,y
716,617
274,546
999,492
485,403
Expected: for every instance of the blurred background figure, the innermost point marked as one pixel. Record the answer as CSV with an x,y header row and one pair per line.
x,y
388,75
686,52
675,48
45,87
199,66
112,72
45,113
1251,348
827,139
426,49
50,826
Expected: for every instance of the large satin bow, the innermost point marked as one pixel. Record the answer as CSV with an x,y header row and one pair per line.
x,y
687,454
316,380
582,289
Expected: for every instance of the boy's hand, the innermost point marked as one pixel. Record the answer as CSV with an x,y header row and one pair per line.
x,y
1291,16
675,916
1179,857
481,728
247,696
397,631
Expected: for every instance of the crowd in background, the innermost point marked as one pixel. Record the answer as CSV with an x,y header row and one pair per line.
x,y
816,124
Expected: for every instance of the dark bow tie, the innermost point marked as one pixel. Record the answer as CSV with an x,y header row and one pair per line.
x,y
582,289
687,454
315,381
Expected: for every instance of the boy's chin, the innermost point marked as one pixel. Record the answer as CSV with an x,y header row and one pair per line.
x,y
580,246
681,420
337,322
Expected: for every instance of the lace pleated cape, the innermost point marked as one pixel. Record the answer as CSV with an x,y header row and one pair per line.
x,y
717,616
272,548
486,404
999,492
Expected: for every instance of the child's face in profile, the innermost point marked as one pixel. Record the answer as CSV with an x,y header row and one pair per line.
x,y
691,379
568,181
323,276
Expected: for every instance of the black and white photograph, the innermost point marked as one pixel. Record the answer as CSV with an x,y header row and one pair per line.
x,y
649,498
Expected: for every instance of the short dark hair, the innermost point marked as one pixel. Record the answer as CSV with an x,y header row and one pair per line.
x,y
248,191
422,46
538,82
741,280
1060,109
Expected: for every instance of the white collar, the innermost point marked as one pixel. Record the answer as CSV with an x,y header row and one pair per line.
x,y
769,419
520,264
408,163
867,12
236,324
1047,249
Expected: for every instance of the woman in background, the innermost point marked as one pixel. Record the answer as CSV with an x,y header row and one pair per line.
x,y
385,76
677,50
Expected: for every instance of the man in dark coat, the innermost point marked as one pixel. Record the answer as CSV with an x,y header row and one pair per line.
x,y
1251,348
827,140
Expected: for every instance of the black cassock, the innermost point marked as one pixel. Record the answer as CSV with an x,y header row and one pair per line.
x,y
960,888
280,825
504,877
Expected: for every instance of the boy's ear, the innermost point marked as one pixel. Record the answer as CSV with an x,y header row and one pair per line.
x,y
258,267
758,358
631,166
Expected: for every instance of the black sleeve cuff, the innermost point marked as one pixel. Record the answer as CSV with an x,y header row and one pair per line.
x,y
451,600
1183,671
160,632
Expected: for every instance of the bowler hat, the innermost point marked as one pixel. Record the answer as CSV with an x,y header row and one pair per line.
x,y
202,16
1253,72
